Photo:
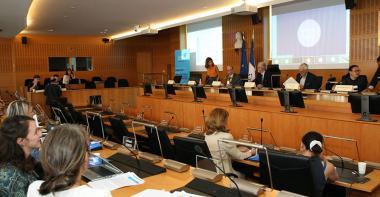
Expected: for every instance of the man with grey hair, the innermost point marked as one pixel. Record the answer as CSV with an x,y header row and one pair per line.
x,y
232,79
306,79
263,77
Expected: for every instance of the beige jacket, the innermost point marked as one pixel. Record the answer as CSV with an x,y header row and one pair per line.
x,y
228,151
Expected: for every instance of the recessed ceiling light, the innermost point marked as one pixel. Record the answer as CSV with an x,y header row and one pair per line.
x,y
105,30
65,16
73,7
50,30
101,32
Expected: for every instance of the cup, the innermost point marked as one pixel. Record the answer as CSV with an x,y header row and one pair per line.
x,y
362,167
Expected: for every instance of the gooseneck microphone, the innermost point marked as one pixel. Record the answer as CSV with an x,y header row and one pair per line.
x,y
261,130
204,119
340,158
199,150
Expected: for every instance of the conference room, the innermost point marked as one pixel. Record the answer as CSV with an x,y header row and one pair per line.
x,y
190,98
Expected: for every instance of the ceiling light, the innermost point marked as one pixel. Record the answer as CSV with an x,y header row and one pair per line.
x,y
73,7
50,30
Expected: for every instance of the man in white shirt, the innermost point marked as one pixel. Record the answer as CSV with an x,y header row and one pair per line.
x,y
306,79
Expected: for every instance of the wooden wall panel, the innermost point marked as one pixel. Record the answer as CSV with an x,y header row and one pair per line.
x,y
236,23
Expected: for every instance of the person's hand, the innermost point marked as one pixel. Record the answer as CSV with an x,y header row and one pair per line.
x,y
260,86
367,90
243,148
301,87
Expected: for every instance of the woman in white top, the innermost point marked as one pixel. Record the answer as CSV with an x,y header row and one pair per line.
x,y
64,158
217,129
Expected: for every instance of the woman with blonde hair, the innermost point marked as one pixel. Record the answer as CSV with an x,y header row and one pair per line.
x,y
19,108
64,159
217,129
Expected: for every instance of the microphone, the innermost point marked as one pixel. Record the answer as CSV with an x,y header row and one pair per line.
x,y
199,150
204,119
134,155
340,158
261,131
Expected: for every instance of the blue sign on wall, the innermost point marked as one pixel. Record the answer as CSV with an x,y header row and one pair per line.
x,y
182,65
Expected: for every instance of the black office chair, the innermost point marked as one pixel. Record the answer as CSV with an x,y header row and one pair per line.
x,y
185,149
109,84
90,85
96,78
84,81
95,125
46,81
113,79
120,130
294,173
75,81
167,147
28,82
62,115
329,84
123,83
319,82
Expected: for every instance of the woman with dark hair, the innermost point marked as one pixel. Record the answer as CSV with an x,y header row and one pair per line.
x,y
217,129
64,159
212,71
18,137
354,78
312,146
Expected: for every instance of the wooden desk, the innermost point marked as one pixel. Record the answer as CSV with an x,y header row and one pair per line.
x,y
169,180
286,128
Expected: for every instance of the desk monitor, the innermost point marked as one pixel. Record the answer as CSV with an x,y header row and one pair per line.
x,y
237,95
275,80
365,104
290,99
198,93
169,89
177,79
291,172
147,89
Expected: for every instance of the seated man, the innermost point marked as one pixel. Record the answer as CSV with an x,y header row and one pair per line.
x,y
36,84
306,79
354,78
232,79
263,77
53,93
376,77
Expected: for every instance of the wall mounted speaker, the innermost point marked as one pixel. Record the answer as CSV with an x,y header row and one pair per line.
x,y
256,19
350,4
106,40
24,40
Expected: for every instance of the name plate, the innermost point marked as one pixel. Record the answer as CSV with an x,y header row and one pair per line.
x,y
171,82
216,83
249,84
344,88
191,83
292,86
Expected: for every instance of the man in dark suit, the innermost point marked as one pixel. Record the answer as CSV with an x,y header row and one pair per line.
x,y
376,77
354,78
232,79
263,77
306,79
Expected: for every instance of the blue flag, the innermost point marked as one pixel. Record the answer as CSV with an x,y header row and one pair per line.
x,y
252,65
243,61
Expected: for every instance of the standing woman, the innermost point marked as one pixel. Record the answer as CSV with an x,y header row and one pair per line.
x,y
64,158
212,71
18,137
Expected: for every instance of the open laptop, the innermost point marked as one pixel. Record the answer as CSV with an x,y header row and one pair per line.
x,y
99,168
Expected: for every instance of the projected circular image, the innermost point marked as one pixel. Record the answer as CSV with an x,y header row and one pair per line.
x,y
309,33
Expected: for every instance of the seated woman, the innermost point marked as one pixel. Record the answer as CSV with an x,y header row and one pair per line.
x,y
212,71
64,159
19,108
18,136
312,145
217,129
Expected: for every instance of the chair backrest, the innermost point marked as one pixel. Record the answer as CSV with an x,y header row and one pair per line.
x,y
109,84
75,81
59,115
185,149
83,81
95,125
96,78
113,79
46,81
167,147
119,130
294,173
319,82
28,82
123,83
330,85
90,85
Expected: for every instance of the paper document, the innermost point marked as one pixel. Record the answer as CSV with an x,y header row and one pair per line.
x,y
163,193
116,182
